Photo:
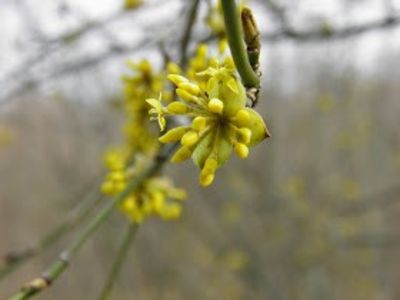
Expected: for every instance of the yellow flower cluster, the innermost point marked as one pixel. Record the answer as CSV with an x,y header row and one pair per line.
x,y
200,61
156,196
220,121
140,141
144,83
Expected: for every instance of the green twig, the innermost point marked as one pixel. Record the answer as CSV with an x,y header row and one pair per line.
x,y
16,259
119,260
234,33
58,267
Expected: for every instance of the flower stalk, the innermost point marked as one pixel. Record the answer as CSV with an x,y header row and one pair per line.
x,y
234,33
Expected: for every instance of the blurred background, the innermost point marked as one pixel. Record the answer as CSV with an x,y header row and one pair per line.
x,y
312,214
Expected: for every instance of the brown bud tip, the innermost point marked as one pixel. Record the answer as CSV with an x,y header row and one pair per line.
x,y
250,29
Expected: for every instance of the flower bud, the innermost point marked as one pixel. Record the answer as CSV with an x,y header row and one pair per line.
x,y
206,179
190,138
185,95
181,155
210,166
199,123
241,150
216,106
244,135
177,107
177,79
190,88
173,135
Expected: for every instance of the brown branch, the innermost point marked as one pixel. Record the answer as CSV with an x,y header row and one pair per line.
x,y
322,34
191,18
315,35
279,13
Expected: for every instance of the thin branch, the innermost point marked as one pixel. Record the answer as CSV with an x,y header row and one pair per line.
x,y
191,18
42,282
97,24
120,258
314,35
317,35
27,84
278,12
15,259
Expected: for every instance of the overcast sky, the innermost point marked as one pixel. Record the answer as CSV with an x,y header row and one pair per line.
x,y
16,44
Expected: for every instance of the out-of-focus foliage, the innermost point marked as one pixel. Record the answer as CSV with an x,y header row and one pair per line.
x,y
6,136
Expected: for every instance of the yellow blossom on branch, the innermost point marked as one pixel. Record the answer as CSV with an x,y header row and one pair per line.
x,y
156,196
140,135
220,121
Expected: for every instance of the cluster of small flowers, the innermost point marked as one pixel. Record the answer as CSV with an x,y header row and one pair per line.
x,y
214,99
139,135
156,195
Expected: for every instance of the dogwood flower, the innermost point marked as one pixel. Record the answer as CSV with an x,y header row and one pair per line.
x,y
219,119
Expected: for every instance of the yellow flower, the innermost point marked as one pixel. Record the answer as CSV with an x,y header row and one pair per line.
x,y
157,110
140,135
156,196
220,122
199,62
